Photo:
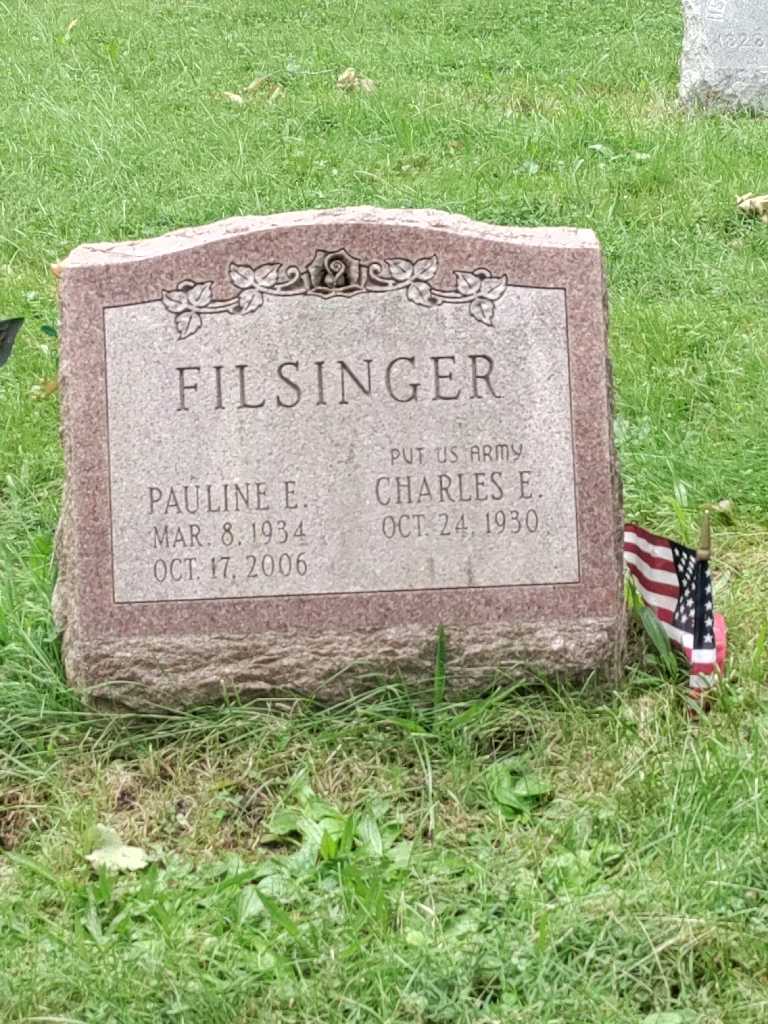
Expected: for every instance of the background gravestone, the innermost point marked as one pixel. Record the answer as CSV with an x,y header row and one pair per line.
x,y
725,54
296,445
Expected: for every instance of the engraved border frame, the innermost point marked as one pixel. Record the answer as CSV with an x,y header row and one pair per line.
x,y
362,591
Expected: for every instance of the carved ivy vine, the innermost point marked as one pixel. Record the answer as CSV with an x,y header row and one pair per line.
x,y
333,274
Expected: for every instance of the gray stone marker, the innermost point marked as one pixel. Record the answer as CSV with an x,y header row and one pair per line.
x,y
725,54
296,445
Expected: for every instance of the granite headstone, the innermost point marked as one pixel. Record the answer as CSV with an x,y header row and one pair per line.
x,y
296,445
725,54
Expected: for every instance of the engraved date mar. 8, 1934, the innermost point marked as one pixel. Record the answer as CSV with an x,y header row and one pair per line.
x,y
256,549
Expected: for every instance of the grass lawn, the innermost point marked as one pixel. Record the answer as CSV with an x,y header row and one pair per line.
x,y
546,855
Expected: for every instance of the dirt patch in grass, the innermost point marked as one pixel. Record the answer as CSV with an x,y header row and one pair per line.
x,y
20,814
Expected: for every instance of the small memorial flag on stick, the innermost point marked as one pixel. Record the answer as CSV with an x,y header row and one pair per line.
x,y
675,583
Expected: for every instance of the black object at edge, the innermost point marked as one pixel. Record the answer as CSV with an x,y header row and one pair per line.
x,y
8,331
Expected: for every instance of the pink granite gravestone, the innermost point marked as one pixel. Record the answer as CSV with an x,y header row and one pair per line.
x,y
296,445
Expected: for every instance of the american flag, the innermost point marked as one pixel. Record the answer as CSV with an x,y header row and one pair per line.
x,y
677,586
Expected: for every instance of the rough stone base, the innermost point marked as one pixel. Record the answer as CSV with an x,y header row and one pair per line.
x,y
174,672
718,89
177,672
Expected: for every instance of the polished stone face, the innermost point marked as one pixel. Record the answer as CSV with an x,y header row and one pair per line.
x,y
725,54
340,447
297,445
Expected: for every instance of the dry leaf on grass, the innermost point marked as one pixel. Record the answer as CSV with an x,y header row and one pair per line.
x,y
725,506
754,206
266,86
45,388
723,510
349,81
114,855
258,83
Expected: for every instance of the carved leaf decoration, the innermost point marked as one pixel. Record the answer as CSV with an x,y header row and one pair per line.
x,y
187,323
425,269
333,273
467,284
250,300
200,295
493,287
482,310
241,276
175,302
420,293
266,275
401,270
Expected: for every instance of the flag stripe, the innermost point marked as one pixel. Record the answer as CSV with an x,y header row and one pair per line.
x,y
660,564
648,542
684,640
640,531
653,579
654,599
